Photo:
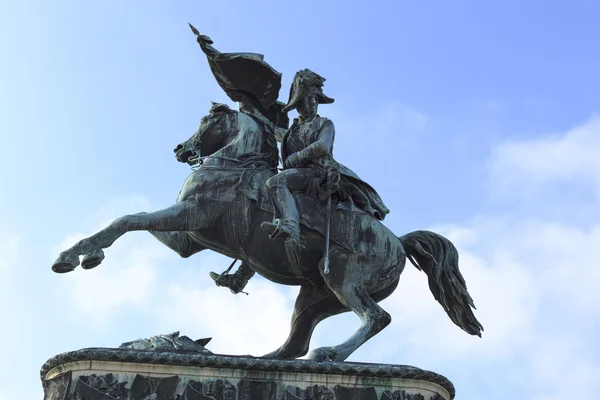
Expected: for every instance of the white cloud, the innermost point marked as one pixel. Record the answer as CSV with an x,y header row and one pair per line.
x,y
9,268
9,248
565,255
131,284
566,261
561,371
127,273
527,164
126,277
535,306
255,324
10,312
138,273
534,281
504,292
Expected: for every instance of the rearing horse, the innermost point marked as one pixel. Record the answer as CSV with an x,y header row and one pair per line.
x,y
219,208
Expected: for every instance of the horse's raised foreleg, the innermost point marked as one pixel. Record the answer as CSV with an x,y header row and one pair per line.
x,y
184,216
180,242
313,305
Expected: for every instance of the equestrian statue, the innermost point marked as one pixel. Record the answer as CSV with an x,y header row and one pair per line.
x,y
313,223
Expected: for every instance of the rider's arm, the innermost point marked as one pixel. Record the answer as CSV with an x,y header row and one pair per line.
x,y
321,147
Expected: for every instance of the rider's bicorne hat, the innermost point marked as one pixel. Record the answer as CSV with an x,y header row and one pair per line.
x,y
306,83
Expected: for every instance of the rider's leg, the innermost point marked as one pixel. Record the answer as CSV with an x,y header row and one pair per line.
x,y
281,186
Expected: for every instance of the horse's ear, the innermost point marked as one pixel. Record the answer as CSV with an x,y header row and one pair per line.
x,y
219,108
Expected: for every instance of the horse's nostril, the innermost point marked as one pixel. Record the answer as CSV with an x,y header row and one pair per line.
x,y
179,147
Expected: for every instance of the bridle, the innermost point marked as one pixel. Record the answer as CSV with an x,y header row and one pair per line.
x,y
195,158
250,161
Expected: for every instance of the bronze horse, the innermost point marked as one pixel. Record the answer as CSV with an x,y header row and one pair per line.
x,y
221,207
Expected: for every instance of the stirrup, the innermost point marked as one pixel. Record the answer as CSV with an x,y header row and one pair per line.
x,y
228,281
278,228
277,222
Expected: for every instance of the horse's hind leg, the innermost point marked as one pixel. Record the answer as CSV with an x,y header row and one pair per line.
x,y
352,292
184,216
373,320
313,305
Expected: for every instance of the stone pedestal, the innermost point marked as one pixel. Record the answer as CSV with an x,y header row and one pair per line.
x,y
128,374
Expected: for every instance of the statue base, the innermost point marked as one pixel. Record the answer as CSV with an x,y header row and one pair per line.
x,y
105,373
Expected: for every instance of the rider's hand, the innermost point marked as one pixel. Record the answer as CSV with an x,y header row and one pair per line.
x,y
203,39
293,161
332,179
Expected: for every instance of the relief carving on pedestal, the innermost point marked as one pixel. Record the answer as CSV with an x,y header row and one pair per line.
x,y
100,387
108,387
316,392
58,387
212,390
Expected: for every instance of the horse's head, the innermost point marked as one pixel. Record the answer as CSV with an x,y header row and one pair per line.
x,y
212,135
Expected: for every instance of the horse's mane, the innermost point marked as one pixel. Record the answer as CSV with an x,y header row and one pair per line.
x,y
271,156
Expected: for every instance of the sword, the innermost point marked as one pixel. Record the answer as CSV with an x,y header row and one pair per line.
x,y
327,233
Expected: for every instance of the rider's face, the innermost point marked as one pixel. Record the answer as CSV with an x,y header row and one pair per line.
x,y
307,107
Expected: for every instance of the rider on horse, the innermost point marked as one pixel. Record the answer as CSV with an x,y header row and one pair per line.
x,y
306,153
309,167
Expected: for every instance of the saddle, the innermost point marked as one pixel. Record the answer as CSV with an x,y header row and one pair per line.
x,y
345,216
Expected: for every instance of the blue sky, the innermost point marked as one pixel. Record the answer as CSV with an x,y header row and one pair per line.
x,y
475,119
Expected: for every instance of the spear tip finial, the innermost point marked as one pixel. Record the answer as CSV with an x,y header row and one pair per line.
x,y
196,32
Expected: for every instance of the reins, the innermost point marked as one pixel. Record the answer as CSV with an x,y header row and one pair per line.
x,y
258,164
253,162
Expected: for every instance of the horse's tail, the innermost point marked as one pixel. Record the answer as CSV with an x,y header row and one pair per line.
x,y
438,258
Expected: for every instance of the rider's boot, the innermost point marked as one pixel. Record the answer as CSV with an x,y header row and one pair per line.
x,y
235,282
287,227
289,231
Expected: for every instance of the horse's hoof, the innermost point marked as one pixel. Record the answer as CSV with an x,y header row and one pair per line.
x,y
66,262
92,259
322,354
274,355
285,354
